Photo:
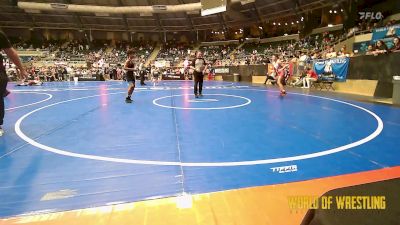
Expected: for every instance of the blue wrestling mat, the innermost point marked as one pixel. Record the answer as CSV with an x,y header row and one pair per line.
x,y
70,146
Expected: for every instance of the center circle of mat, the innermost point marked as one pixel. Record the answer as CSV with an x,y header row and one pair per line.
x,y
205,98
364,140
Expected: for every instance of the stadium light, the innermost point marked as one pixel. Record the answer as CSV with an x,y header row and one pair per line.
x,y
274,23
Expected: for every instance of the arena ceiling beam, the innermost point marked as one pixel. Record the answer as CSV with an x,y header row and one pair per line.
x,y
189,19
268,5
260,19
297,6
158,22
189,7
124,16
304,9
267,10
222,21
76,16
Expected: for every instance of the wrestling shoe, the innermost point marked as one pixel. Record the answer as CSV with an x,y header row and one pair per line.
x,y
6,93
1,132
283,93
128,100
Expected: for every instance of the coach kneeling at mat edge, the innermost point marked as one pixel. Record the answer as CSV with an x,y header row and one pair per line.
x,y
199,66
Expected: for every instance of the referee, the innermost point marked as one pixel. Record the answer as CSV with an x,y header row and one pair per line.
x,y
199,66
12,54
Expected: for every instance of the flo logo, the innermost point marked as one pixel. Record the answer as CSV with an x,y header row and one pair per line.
x,y
370,15
284,169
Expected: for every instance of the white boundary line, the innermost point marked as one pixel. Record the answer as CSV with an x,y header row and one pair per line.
x,y
34,103
204,100
248,101
71,88
202,164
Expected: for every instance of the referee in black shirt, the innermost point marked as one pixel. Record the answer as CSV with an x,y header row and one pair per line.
x,y
199,66
12,54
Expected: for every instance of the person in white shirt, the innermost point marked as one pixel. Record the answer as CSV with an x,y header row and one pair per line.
x,y
302,62
155,74
331,53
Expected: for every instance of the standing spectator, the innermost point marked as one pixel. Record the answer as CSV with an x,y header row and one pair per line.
x,y
113,74
12,54
141,71
302,62
186,67
119,73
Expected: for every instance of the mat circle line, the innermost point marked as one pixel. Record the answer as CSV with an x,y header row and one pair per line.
x,y
248,101
50,96
370,137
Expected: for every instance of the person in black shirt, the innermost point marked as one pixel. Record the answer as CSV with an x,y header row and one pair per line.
x,y
130,76
12,54
64,74
199,66
142,71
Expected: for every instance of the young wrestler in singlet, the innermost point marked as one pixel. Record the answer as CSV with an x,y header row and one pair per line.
x,y
280,73
130,77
